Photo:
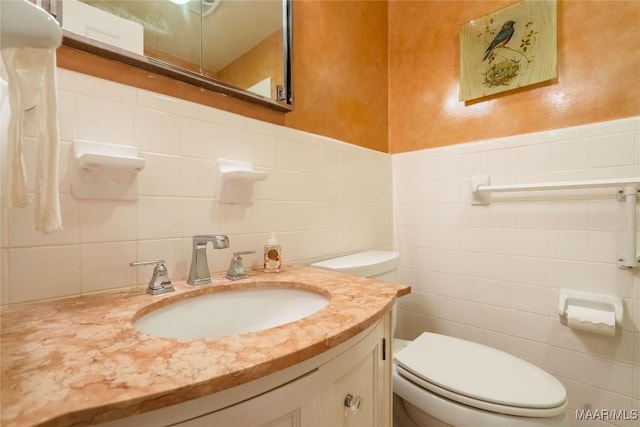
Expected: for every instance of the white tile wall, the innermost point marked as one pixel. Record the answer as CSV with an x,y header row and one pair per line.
x,y
323,197
492,274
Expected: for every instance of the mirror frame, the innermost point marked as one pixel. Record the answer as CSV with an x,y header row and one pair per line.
x,y
104,50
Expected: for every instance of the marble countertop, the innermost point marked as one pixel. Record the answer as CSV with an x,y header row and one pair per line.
x,y
79,360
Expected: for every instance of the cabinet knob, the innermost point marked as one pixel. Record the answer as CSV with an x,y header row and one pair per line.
x,y
353,403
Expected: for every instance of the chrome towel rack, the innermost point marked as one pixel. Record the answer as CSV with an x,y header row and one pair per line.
x,y
627,191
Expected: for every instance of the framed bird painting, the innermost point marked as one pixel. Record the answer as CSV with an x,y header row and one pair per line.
x,y
508,49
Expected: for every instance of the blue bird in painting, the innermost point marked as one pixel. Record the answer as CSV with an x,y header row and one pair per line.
x,y
501,39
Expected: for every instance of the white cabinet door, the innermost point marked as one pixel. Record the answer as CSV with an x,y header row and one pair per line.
x,y
360,377
290,405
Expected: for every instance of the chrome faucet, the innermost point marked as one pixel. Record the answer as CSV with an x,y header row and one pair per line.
x,y
236,268
159,283
199,272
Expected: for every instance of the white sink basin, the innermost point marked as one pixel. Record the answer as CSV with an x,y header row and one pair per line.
x,y
230,312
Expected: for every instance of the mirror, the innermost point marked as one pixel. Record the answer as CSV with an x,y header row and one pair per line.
x,y
238,47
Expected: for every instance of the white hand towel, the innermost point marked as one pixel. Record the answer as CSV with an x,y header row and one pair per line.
x,y
32,82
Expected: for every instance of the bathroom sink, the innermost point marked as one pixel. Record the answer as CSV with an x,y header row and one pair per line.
x,y
230,312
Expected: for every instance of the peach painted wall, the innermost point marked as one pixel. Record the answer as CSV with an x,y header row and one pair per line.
x,y
598,69
340,70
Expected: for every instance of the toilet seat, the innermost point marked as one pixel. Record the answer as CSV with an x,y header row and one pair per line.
x,y
480,376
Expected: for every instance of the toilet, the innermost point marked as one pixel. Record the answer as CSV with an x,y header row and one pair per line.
x,y
440,380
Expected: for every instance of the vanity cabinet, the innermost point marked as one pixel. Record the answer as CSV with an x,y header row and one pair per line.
x,y
312,393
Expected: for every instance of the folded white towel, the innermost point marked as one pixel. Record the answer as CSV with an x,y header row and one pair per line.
x,y
32,82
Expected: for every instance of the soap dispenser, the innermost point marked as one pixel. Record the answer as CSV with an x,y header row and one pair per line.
x,y
272,255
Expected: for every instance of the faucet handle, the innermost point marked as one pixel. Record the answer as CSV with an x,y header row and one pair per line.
x,y
237,254
149,262
160,282
236,268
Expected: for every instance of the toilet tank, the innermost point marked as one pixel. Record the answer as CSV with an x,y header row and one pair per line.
x,y
381,265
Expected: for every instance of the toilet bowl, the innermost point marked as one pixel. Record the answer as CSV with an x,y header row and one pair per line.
x,y
445,381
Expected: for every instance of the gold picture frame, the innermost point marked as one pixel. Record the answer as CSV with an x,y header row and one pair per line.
x,y
511,48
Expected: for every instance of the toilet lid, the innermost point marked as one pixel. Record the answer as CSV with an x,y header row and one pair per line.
x,y
466,372
363,264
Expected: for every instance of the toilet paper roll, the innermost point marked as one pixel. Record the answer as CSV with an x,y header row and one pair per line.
x,y
591,320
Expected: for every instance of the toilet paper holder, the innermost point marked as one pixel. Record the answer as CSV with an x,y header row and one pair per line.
x,y
590,300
